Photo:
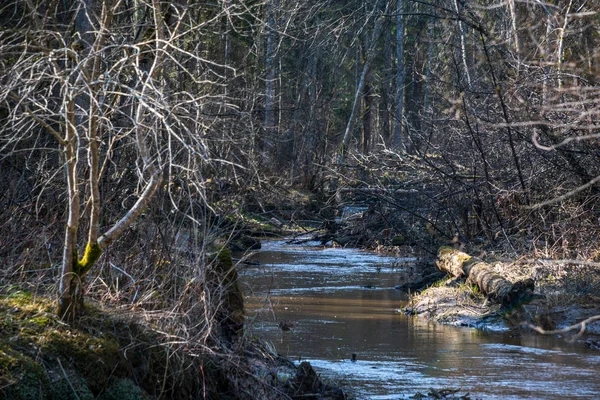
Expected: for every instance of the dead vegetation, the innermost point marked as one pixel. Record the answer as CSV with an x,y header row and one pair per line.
x,y
111,354
566,293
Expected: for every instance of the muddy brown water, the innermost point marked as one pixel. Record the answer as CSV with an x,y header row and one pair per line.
x,y
343,302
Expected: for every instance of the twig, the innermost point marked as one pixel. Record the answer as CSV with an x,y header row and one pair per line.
x,y
581,325
245,262
67,378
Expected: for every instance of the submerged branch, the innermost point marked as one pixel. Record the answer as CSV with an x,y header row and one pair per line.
x,y
580,325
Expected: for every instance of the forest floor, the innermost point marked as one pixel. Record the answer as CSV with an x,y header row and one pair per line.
x,y
112,355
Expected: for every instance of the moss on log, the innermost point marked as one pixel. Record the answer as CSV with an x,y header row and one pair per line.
x,y
451,261
222,281
494,286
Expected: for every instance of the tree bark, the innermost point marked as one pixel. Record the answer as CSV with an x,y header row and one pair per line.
x,y
514,33
78,123
398,138
427,88
69,282
462,45
494,286
385,88
311,138
368,106
560,49
270,77
83,128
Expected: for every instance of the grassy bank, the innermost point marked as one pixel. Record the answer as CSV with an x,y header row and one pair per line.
x,y
109,355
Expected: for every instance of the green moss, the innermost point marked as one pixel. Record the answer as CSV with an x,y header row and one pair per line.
x,y
28,329
94,358
69,387
224,279
16,295
122,389
21,378
41,321
41,358
23,317
398,240
224,260
25,301
92,253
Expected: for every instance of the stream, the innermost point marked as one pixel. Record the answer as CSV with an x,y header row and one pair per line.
x,y
341,302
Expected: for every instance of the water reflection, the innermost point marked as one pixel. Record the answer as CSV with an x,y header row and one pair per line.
x,y
344,302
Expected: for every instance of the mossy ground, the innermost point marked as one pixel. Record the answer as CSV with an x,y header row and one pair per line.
x,y
101,357
108,356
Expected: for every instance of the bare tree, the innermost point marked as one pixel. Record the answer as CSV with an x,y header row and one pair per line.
x,y
98,92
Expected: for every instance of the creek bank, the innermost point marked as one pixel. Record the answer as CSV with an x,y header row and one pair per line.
x,y
109,355
562,297
556,293
565,292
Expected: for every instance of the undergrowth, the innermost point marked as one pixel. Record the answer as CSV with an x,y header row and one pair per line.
x,y
111,355
103,356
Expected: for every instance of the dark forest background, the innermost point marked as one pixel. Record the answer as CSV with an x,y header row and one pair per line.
x,y
153,131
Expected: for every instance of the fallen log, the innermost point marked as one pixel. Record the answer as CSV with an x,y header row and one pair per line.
x,y
494,286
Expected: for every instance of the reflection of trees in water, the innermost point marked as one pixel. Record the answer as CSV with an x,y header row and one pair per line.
x,y
334,324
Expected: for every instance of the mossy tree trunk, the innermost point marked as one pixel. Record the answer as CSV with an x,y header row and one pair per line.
x,y
70,301
74,268
83,134
494,286
227,297
69,283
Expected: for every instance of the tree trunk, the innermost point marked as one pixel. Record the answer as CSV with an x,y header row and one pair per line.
x,y
494,286
560,45
223,288
270,68
398,139
547,58
70,298
311,138
368,106
427,89
77,135
416,66
366,133
462,48
514,33
69,282
385,88
226,41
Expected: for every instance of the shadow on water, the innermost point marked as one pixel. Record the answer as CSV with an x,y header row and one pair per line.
x,y
342,302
